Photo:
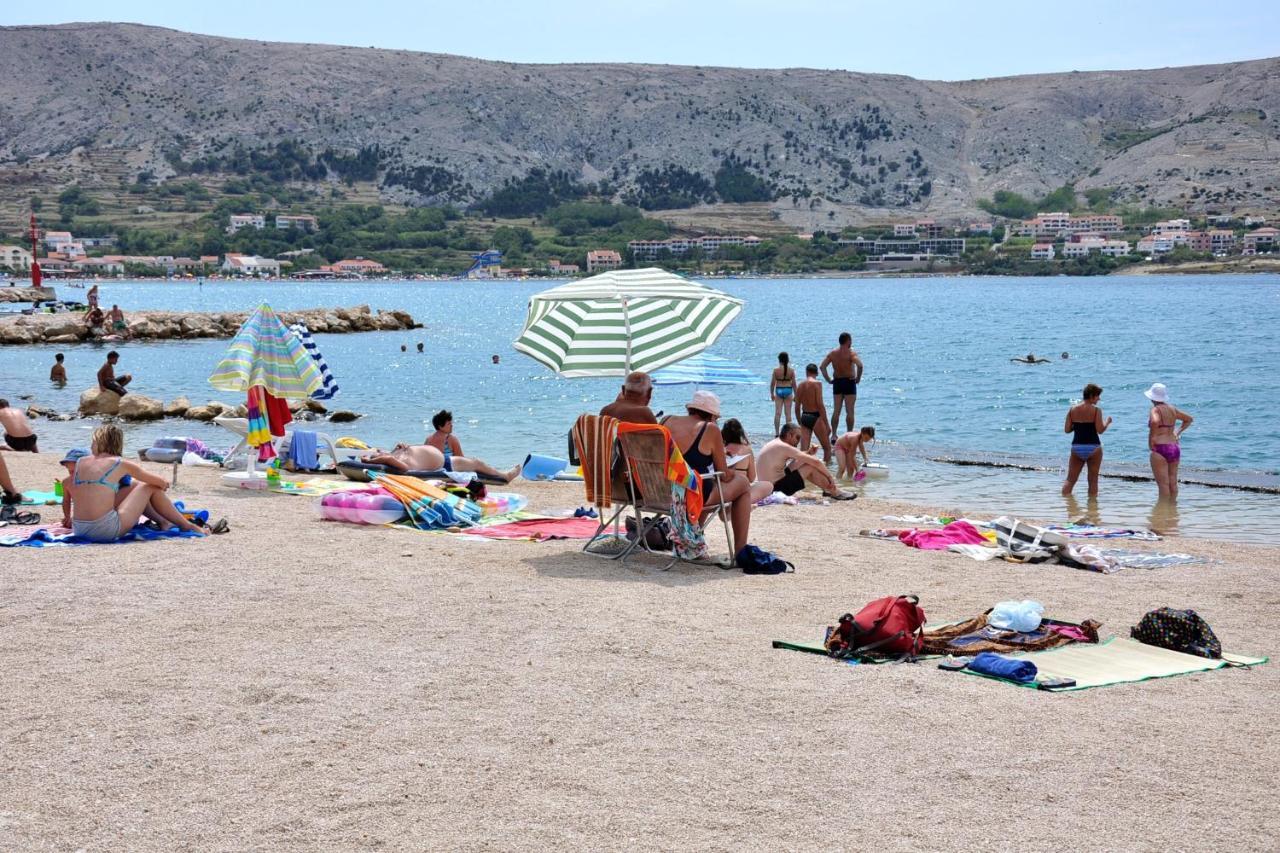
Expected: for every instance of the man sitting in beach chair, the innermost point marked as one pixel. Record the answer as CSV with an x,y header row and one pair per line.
x,y
424,457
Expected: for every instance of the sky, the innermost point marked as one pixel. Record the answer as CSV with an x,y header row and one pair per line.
x,y
928,39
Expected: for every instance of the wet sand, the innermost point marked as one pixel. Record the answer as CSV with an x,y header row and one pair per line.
x,y
300,684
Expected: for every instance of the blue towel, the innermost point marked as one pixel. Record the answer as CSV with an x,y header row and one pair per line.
x,y
302,450
43,539
990,663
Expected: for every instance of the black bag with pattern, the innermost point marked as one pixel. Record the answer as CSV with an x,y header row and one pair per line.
x,y
1179,630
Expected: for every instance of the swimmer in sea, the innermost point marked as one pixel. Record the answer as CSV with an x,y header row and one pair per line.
x,y
419,346
782,387
1030,358
1066,355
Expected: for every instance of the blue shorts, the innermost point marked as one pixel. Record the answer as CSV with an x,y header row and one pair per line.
x,y
784,393
1084,451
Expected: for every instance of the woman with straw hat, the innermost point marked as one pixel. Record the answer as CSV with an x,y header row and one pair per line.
x,y
1163,438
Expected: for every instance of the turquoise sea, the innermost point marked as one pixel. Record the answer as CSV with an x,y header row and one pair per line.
x,y
938,379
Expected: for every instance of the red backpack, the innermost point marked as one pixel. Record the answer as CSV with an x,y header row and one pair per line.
x,y
887,626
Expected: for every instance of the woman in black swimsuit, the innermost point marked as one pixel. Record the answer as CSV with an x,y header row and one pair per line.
x,y
702,446
1085,423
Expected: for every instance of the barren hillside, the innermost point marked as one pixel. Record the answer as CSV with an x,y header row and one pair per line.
x,y
101,104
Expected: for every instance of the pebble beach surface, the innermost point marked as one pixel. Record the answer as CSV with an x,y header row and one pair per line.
x,y
300,684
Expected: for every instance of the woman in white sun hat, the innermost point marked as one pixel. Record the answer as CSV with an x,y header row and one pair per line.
x,y
1163,438
702,445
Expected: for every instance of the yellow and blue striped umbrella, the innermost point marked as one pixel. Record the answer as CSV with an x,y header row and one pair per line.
x,y
264,352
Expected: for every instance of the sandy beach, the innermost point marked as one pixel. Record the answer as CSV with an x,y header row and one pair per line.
x,y
301,684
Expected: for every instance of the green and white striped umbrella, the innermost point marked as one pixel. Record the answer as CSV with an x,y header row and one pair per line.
x,y
624,320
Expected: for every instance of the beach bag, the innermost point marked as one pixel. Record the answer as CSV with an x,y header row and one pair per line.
x,y
885,627
1179,630
757,561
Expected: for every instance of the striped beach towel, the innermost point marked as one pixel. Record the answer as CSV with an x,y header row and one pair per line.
x,y
595,436
329,386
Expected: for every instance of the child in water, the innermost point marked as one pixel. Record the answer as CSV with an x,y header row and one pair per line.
x,y
847,448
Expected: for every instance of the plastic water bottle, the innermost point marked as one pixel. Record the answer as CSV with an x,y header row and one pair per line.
x,y
57,488
273,473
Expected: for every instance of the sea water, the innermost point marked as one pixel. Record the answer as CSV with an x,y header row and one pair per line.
x,y
938,381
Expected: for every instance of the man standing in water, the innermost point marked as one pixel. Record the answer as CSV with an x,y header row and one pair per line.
x,y
844,385
813,412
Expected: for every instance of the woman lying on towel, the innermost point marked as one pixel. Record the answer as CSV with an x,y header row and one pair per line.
x,y
102,508
424,457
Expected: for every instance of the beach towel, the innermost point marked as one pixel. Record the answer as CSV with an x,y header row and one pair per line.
x,y
678,471
309,488
955,533
328,385
1010,669
1090,531
595,436
975,635
1120,660
539,529
303,450
45,537
34,498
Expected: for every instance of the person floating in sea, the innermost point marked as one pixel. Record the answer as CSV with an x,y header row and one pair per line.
x,y
784,468
1085,423
782,388
847,368
107,379
632,403
813,413
497,360
419,346
1163,439
18,434
848,446
118,325
58,373
1030,358
403,348
1066,355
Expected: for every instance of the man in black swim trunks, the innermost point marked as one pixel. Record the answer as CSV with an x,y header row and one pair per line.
x,y
813,412
18,434
788,469
847,366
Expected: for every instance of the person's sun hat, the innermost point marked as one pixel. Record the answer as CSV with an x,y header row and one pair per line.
x,y
704,401
1157,393
73,454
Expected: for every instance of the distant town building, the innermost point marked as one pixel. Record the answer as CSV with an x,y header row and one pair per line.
x,y
557,268
1060,224
1042,252
55,240
603,259
302,222
1222,241
1219,218
100,266
946,246
1251,221
251,265
1160,244
710,246
359,266
1086,246
904,229
246,220
1261,239
980,227
928,228
15,258
98,242
1172,226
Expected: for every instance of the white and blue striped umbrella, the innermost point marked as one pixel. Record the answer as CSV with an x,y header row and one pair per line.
x,y
705,369
329,385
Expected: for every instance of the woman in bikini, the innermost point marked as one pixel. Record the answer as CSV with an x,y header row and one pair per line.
x,y
736,443
782,390
1085,423
1163,439
103,508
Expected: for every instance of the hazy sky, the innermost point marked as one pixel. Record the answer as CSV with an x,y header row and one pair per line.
x,y
926,38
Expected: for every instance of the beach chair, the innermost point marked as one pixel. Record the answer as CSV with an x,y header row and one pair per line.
x,y
648,491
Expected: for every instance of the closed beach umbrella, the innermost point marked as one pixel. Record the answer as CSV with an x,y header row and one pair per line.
x,y
265,353
705,369
624,320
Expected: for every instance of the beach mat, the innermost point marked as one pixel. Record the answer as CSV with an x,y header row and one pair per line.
x,y
44,537
309,488
33,498
539,529
1119,660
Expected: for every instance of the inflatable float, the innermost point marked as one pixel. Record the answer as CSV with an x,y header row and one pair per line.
x,y
361,506
359,472
876,470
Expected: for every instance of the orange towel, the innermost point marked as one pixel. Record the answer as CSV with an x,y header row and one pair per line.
x,y
594,436
678,471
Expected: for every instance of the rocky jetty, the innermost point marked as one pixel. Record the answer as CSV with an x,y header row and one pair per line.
x,y
95,402
185,325
26,294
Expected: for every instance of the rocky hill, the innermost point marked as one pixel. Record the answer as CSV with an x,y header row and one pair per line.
x,y
102,104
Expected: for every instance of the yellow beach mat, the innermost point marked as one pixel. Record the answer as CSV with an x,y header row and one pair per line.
x,y
1121,660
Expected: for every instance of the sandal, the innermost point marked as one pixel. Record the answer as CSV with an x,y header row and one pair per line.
x,y
219,527
843,496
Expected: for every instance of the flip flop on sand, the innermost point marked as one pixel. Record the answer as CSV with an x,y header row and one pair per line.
x,y
843,496
220,526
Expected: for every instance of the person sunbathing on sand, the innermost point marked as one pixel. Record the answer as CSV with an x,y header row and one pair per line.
x,y
781,467
424,457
